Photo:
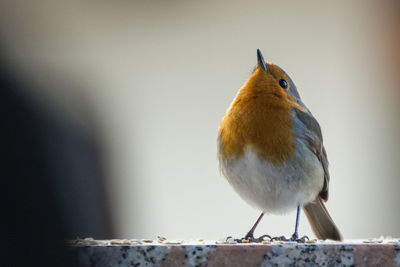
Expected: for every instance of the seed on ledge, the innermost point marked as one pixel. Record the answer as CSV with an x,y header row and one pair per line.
x,y
311,241
160,239
172,242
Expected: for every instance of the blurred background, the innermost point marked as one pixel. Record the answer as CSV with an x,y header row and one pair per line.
x,y
136,90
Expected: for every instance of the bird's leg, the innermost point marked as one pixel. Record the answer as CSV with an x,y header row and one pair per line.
x,y
295,236
250,234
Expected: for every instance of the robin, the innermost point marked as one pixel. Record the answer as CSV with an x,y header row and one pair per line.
x,y
270,150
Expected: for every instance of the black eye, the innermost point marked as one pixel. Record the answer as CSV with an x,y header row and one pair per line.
x,y
283,83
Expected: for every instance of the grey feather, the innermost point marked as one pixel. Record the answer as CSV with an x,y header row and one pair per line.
x,y
311,132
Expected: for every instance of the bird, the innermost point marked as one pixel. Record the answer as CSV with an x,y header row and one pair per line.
x,y
270,150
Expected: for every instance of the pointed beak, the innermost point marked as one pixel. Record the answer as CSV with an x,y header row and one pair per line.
x,y
261,61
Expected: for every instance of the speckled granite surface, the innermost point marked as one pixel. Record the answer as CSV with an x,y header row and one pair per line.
x,y
208,253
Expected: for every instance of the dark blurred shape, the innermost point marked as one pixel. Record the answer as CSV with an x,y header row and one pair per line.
x,y
52,186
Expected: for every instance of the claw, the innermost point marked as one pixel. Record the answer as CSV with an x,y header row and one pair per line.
x,y
302,239
294,238
249,236
261,238
280,238
252,239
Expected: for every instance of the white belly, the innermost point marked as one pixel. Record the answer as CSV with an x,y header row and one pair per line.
x,y
275,188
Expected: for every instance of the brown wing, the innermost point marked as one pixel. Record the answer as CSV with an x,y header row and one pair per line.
x,y
314,138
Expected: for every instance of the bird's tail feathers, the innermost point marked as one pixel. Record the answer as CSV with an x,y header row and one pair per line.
x,y
321,222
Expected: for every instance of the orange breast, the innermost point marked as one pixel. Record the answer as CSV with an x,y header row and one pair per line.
x,y
260,117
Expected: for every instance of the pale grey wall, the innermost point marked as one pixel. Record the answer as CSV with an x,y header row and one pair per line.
x,y
160,75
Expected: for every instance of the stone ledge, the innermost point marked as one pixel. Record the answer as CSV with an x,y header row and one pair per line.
x,y
208,253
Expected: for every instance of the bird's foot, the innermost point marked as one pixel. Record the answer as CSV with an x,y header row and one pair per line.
x,y
303,239
294,238
249,238
280,238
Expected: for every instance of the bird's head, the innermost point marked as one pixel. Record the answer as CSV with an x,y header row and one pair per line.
x,y
269,85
